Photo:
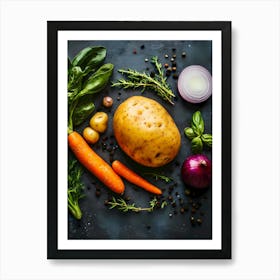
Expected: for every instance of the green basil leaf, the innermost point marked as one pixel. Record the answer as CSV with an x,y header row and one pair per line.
x,y
207,139
75,78
197,123
98,81
91,57
189,132
197,145
83,110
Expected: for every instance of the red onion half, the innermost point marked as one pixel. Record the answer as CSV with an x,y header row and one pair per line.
x,y
197,171
195,84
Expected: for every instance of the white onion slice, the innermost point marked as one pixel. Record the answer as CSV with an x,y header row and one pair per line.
x,y
195,84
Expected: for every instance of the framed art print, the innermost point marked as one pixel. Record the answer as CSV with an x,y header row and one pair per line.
x,y
139,140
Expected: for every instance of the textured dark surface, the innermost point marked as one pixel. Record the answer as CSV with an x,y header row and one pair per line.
x,y
98,221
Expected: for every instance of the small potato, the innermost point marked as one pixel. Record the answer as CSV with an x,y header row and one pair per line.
x,y
99,122
90,135
108,101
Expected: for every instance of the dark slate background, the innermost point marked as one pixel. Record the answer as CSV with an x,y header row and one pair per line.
x,y
98,221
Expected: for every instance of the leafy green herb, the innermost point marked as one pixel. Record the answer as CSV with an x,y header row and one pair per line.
x,y
86,76
197,145
89,58
75,189
189,132
159,176
123,206
197,123
84,108
196,134
96,83
207,139
138,80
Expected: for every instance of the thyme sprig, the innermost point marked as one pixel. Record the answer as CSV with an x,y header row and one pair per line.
x,y
159,177
143,80
123,206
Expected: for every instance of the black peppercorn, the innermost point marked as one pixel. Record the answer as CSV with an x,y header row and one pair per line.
x,y
193,210
168,73
192,219
187,192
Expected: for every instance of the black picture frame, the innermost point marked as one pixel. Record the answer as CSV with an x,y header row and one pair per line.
x,y
53,27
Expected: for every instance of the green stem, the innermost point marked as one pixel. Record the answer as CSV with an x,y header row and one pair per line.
x,y
70,118
76,211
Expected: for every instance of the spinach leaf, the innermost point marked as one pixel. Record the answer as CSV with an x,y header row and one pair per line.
x,y
90,58
83,110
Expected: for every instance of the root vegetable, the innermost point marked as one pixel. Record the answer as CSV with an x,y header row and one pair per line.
x,y
90,135
94,163
99,122
134,178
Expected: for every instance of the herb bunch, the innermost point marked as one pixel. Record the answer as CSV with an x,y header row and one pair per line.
x,y
142,80
87,75
196,134
123,206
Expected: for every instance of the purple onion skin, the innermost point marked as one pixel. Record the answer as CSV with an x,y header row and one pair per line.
x,y
197,171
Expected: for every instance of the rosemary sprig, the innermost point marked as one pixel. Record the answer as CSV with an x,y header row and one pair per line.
x,y
157,83
123,206
159,176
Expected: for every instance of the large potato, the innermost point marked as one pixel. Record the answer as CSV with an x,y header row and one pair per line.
x,y
146,132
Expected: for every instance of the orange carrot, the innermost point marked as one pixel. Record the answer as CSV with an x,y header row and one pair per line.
x,y
94,163
134,178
